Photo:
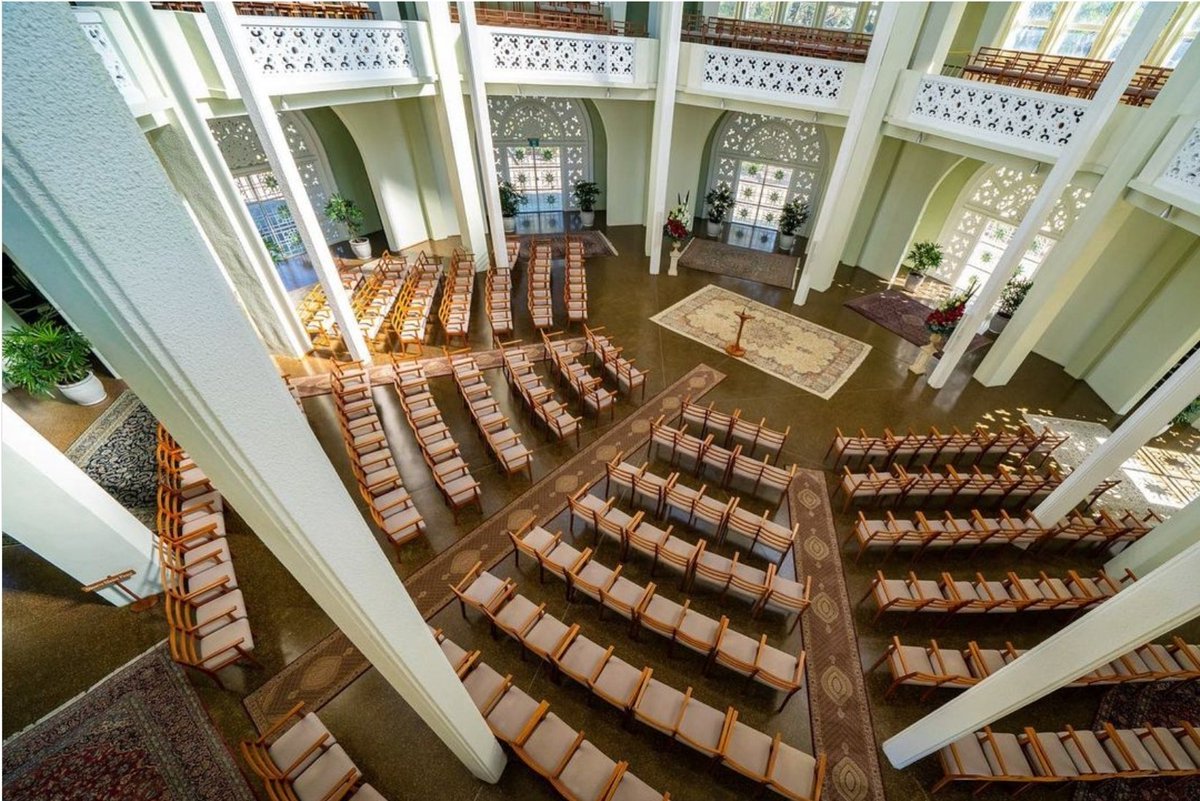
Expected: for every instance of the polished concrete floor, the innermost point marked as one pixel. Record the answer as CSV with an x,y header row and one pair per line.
x,y
58,641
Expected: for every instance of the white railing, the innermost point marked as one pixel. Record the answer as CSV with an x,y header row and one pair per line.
x,y
772,74
1183,170
105,32
523,56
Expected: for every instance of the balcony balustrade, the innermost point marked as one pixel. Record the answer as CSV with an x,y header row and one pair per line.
x,y
1060,75
122,59
283,9
555,17
793,40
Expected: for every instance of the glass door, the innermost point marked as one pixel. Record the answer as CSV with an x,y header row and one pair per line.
x,y
537,171
270,213
990,247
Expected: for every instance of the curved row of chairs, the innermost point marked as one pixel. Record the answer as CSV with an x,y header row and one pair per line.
x,y
502,440
206,613
498,300
638,694
620,370
729,429
1012,594
731,467
543,406
439,449
594,397
971,448
1004,487
575,292
305,762
455,310
317,317
1032,757
541,303
410,316
577,769
933,666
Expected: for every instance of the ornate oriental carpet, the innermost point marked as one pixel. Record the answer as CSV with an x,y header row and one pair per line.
x,y
117,452
903,315
139,735
594,244
711,256
787,347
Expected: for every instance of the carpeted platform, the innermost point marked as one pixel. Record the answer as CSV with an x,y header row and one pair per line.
x,y
902,315
326,669
711,256
139,735
787,347
594,244
117,452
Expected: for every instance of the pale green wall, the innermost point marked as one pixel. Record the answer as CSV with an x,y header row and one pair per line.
x,y
693,125
967,34
437,199
346,164
941,201
622,169
878,182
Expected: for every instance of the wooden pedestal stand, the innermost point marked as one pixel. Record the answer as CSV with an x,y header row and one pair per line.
x,y
735,348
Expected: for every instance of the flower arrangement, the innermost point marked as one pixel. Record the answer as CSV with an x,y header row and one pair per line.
x,y
1015,290
945,317
678,220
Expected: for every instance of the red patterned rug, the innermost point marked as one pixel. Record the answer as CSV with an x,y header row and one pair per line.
x,y
139,735
902,315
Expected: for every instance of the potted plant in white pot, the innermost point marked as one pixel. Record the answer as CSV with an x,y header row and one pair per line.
x,y
793,215
585,194
343,210
46,355
1015,290
719,201
511,201
921,258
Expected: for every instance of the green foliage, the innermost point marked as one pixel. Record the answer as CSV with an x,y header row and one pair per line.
x,y
794,215
273,250
585,194
38,356
1189,413
511,199
720,201
1015,290
923,257
343,210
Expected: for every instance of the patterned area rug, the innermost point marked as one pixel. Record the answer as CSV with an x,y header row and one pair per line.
x,y
837,696
711,256
790,348
329,667
139,735
1132,706
594,244
117,452
902,315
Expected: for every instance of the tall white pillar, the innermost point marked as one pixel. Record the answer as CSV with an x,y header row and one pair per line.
x,y
475,52
1166,540
58,512
227,30
670,25
1150,607
1066,266
1154,413
80,183
891,47
1070,159
455,131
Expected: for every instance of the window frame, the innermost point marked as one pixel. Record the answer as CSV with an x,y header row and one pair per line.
x,y
861,17
1107,33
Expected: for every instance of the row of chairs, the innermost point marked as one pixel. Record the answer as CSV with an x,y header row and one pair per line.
x,y
541,303
1032,757
206,613
732,468
575,293
317,317
933,666
498,300
1013,594
380,292
730,429
956,447
638,694
679,623
410,316
375,472
504,443
1101,531
543,406
303,761
1066,75
1004,487
594,397
455,311
577,769
620,370
439,449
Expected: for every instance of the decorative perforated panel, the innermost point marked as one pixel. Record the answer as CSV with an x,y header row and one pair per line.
x,y
316,48
607,58
790,76
1000,111
102,43
1184,167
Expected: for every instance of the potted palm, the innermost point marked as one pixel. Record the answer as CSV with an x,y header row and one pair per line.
x,y
1015,290
46,355
793,215
922,258
343,210
719,200
511,201
585,194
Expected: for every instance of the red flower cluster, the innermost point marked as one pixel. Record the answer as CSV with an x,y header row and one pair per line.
x,y
674,229
942,321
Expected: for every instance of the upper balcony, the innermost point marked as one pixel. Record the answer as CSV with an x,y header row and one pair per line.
x,y
1172,174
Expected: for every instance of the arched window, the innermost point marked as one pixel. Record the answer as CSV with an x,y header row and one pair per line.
x,y
987,214
767,161
259,188
543,145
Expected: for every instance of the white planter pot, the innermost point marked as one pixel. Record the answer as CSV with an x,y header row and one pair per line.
x,y
588,218
714,229
510,225
87,392
361,247
786,241
999,321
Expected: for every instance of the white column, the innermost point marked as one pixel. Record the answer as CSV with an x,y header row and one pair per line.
x,y
80,185
942,25
670,25
58,512
1154,413
891,46
1066,266
227,29
1179,532
1100,109
1150,607
476,51
456,132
